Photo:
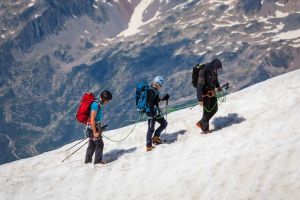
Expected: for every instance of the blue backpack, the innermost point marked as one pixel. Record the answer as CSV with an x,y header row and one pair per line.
x,y
141,96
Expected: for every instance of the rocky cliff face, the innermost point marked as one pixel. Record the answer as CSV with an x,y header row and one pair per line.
x,y
53,51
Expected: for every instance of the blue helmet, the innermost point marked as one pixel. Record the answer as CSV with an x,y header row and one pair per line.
x,y
159,80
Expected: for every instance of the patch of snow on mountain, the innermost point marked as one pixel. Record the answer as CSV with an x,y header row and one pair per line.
x,y
136,20
280,14
287,35
182,6
279,4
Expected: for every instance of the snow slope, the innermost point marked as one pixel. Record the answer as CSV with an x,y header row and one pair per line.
x,y
253,154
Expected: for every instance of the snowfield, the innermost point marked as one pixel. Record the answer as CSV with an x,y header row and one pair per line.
x,y
253,153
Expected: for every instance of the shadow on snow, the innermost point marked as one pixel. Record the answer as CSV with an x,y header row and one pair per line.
x,y
223,122
115,154
172,137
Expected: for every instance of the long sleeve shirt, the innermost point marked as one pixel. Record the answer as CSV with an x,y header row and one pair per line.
x,y
207,81
153,100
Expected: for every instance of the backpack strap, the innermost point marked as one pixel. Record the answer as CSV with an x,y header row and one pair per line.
x,y
151,88
99,104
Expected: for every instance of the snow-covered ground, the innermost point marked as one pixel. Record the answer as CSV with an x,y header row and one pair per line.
x,y
252,154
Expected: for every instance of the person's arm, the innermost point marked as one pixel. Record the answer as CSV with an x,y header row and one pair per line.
x,y
93,124
200,85
218,84
151,98
93,120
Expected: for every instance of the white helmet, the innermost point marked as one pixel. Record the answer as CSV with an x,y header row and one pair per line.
x,y
159,80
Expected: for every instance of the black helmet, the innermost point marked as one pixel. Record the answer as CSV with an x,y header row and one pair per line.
x,y
216,63
106,95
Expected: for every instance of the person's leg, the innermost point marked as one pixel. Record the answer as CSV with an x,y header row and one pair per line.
x,y
213,106
99,151
205,115
90,151
163,124
151,125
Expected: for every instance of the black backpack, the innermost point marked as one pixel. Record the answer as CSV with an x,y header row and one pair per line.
x,y
195,74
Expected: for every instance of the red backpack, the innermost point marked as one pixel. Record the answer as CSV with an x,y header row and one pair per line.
x,y
83,111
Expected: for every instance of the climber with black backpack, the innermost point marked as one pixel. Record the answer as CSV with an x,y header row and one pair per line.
x,y
205,79
147,101
90,113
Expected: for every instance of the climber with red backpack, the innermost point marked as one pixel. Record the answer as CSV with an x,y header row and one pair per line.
x,y
90,113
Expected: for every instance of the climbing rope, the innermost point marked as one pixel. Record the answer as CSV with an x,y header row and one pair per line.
x,y
221,97
138,120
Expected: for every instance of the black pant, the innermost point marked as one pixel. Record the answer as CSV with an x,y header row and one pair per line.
x,y
151,125
210,107
94,147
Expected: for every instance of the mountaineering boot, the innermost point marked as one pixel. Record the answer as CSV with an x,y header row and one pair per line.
x,y
156,140
100,164
149,148
204,131
198,124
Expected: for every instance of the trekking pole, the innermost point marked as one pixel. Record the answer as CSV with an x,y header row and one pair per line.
x,y
76,144
226,86
75,151
166,114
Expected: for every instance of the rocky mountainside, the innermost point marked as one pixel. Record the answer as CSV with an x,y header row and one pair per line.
x,y
53,51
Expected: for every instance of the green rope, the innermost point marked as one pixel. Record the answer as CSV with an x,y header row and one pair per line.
x,y
169,110
221,97
128,133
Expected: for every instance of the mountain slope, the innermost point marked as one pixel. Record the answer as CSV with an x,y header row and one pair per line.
x,y
52,52
252,154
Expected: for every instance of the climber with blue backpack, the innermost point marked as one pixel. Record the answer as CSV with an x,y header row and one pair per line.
x,y
147,101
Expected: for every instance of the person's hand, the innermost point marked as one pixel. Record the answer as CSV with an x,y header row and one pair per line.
x,y
96,135
166,97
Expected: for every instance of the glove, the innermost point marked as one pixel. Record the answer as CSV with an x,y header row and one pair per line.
x,y
166,97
